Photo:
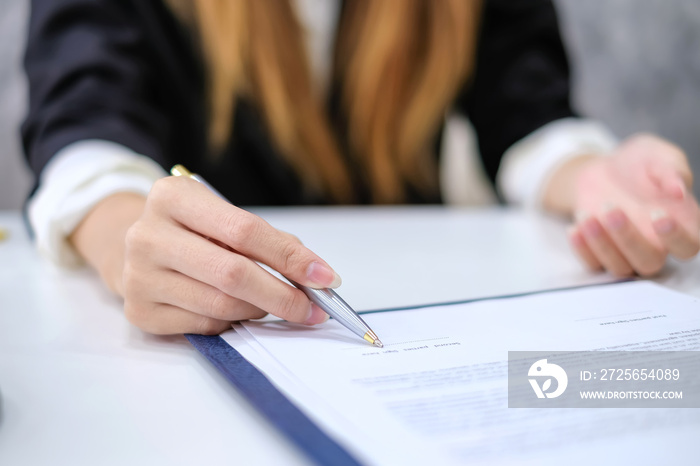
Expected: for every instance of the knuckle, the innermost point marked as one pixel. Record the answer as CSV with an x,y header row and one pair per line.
x,y
220,306
139,239
241,226
134,313
207,326
291,256
134,235
160,191
229,270
166,192
237,273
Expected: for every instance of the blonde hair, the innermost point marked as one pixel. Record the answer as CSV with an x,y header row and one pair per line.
x,y
400,64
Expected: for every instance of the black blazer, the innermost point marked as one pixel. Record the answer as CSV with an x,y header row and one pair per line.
x,y
125,71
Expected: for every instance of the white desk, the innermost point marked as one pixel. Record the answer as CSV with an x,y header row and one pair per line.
x,y
80,386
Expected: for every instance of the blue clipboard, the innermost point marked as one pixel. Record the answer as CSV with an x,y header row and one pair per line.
x,y
269,401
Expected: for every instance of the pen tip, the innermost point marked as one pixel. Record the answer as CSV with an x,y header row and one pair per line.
x,y
378,343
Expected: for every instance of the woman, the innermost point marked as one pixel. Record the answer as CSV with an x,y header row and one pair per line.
x,y
303,102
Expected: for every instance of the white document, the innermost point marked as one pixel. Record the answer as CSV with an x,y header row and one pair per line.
x,y
437,391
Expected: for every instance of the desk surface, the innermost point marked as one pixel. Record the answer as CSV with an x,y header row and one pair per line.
x,y
79,385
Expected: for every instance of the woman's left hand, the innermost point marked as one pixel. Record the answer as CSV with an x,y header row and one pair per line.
x,y
636,207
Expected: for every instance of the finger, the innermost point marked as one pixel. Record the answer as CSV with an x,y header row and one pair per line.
x,y
604,249
237,276
198,258
672,174
165,319
680,243
578,242
668,161
194,206
670,182
645,258
184,292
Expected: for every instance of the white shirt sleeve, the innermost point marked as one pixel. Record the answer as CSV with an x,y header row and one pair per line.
x,y
528,164
76,179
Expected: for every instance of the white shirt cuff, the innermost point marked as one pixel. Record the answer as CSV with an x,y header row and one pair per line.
x,y
527,165
76,179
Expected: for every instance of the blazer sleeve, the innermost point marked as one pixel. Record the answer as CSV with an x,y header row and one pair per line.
x,y
90,77
521,79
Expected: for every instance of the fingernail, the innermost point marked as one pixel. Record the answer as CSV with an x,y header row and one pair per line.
x,y
608,207
591,228
658,214
661,221
581,216
316,315
322,276
615,219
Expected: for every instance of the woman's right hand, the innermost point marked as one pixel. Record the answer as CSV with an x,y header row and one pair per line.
x,y
190,265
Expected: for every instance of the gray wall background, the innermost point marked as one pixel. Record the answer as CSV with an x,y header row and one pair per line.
x,y
636,66
14,175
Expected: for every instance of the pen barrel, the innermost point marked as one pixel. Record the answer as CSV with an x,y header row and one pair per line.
x,y
336,307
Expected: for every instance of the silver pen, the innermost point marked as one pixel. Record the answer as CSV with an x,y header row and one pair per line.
x,y
327,299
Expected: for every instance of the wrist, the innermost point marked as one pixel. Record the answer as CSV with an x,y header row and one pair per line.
x,y
560,190
100,237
